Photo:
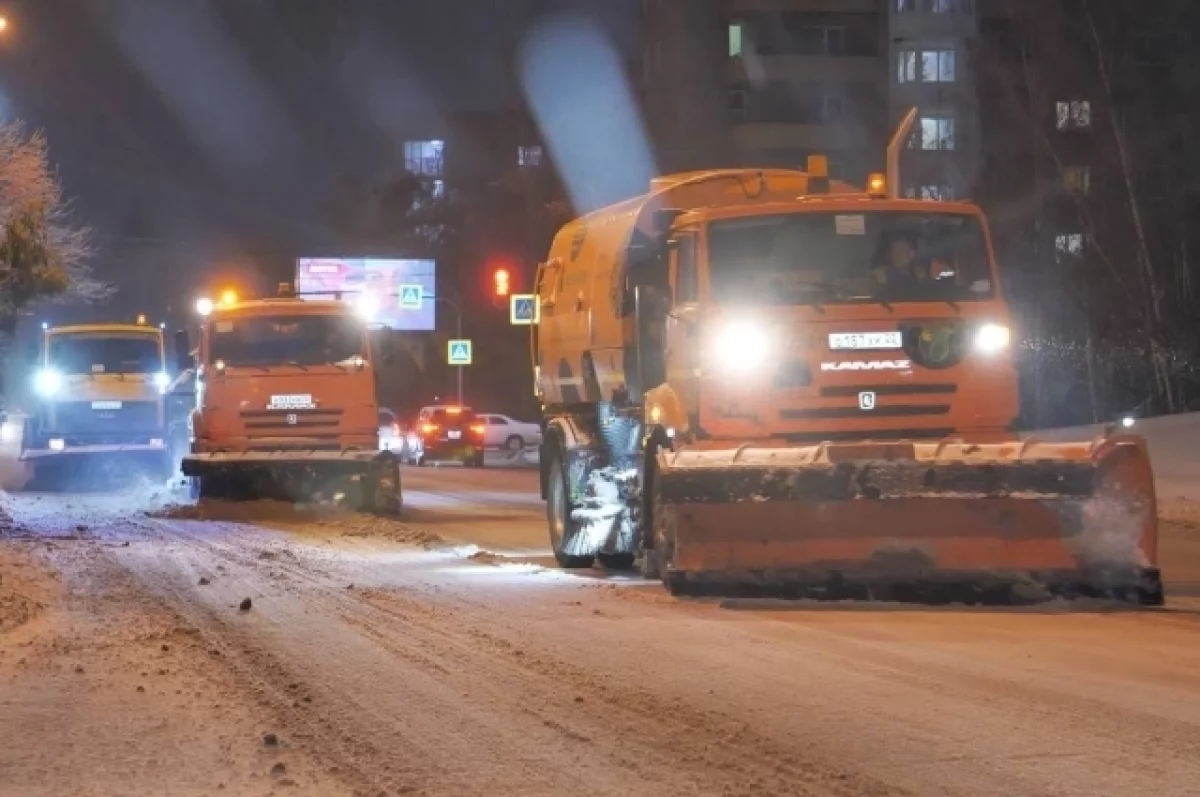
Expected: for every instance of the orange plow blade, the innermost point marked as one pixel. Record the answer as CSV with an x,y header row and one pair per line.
x,y
911,520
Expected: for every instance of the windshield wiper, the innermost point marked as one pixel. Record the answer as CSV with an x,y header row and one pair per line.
x,y
297,363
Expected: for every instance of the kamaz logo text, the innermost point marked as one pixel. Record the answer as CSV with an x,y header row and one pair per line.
x,y
868,365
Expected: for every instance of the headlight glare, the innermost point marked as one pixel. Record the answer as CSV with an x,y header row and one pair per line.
x,y
162,380
47,382
992,338
741,347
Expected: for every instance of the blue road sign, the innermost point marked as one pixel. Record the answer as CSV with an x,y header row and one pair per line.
x,y
410,297
458,352
524,309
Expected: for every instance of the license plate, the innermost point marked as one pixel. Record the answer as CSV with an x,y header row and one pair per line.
x,y
106,405
454,435
866,340
296,401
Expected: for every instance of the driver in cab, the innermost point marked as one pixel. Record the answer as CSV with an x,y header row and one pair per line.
x,y
901,269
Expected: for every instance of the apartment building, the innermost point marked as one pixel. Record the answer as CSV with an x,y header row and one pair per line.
x,y
768,82
467,149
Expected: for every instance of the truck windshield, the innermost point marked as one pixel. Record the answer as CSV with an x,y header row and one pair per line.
x,y
107,354
286,340
832,258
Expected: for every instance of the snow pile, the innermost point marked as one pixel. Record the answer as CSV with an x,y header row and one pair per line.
x,y
369,526
25,588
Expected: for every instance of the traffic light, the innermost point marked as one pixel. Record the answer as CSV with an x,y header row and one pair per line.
x,y
502,285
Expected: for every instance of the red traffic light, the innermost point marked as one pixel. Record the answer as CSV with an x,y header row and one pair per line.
x,y
502,282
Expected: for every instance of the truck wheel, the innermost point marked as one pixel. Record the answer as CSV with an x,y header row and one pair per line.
x,y
563,530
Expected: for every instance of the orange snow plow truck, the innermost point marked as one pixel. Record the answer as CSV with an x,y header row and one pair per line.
x,y
766,381
286,405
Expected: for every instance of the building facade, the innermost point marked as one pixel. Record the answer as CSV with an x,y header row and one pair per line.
x,y
769,82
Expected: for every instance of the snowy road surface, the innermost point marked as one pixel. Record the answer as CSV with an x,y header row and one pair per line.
x,y
444,655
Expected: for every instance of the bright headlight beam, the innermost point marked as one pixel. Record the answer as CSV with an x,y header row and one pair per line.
x,y
992,338
47,382
741,346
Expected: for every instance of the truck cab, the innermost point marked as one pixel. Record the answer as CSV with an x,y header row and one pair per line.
x,y
279,374
99,391
286,405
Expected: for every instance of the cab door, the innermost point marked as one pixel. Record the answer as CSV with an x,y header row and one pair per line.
x,y
682,322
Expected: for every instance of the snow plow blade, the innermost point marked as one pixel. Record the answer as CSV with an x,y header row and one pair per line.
x,y
940,521
366,480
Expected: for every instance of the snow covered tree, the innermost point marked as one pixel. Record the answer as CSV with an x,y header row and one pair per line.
x,y
42,254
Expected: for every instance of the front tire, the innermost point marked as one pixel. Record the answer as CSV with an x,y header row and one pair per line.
x,y
515,444
564,531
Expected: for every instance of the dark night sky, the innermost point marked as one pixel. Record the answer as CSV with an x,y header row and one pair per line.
x,y
191,131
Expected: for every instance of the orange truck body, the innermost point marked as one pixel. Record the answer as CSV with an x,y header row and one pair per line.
x,y
810,433
287,423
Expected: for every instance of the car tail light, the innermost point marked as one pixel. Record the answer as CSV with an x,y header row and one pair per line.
x,y
477,428
428,428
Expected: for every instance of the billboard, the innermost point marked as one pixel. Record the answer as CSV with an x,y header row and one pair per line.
x,y
387,288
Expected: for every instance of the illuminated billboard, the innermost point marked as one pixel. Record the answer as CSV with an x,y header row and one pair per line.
x,y
395,293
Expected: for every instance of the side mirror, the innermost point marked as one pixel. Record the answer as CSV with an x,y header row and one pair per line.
x,y
183,350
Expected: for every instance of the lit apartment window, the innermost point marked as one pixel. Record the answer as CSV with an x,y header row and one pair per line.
x,y
1077,179
936,66
1073,115
529,156
736,30
937,133
424,157
1067,245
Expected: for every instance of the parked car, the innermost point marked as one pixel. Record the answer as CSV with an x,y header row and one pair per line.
x,y
504,432
447,432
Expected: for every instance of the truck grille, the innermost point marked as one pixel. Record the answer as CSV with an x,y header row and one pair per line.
x,y
843,391
841,413
78,417
793,375
273,423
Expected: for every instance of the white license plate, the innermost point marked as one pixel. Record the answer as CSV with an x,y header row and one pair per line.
x,y
454,434
866,340
106,405
297,401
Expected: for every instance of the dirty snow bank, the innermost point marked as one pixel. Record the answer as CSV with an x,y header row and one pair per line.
x,y
300,517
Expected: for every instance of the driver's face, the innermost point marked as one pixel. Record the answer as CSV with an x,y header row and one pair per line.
x,y
902,254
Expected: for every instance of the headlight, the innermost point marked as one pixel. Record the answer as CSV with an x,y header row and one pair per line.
x,y
741,347
992,338
162,380
47,382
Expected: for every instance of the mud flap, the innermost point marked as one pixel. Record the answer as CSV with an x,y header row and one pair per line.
x,y
885,519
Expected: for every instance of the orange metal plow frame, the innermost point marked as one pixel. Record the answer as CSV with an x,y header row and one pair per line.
x,y
896,516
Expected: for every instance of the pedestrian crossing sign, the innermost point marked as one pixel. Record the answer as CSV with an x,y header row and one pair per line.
x,y
410,297
458,352
523,309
